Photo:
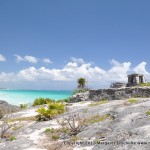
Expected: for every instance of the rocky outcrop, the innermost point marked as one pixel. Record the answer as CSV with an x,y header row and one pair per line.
x,y
118,94
7,108
112,94
80,97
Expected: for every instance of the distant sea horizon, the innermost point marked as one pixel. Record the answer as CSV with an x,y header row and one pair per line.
x,y
20,96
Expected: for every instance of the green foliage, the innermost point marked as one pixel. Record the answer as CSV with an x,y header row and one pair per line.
x,y
23,106
54,134
55,137
79,91
67,100
132,101
148,112
81,83
52,130
75,138
42,101
145,84
12,138
54,108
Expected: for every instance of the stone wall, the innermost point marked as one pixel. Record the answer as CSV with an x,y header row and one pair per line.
x,y
118,94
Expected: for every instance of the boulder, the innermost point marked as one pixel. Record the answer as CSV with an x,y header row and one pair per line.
x,y
7,108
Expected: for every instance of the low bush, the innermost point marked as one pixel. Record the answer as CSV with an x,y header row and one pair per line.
x,y
132,101
79,91
54,108
148,112
41,101
12,138
145,84
72,124
23,106
67,100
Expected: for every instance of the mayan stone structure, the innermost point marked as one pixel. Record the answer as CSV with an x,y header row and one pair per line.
x,y
135,79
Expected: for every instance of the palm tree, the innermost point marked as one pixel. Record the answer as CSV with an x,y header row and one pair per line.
x,y
81,83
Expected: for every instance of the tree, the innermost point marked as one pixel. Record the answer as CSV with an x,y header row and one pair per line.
x,y
81,83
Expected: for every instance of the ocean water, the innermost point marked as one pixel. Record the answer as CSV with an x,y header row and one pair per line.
x,y
28,96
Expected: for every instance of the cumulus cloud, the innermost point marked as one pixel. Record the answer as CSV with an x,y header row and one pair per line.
x,y
2,58
46,60
141,68
95,75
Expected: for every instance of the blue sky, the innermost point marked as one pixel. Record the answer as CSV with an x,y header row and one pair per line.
x,y
110,35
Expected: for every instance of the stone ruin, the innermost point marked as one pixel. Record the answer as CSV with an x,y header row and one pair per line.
x,y
117,91
133,80
117,85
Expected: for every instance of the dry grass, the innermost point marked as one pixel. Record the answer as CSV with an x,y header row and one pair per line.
x,y
97,118
32,118
98,103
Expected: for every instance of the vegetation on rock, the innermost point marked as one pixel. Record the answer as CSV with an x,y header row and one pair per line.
x,y
132,101
41,101
54,108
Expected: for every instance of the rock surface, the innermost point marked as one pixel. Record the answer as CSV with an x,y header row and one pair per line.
x,y
128,123
80,97
112,94
8,108
120,93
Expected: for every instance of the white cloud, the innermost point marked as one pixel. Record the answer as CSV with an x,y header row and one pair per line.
x,y
46,60
30,59
77,60
2,58
26,58
95,75
141,68
19,58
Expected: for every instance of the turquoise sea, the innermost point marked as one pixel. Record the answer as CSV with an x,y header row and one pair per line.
x,y
28,96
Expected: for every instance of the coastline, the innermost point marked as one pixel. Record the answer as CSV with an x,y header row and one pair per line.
x,y
17,97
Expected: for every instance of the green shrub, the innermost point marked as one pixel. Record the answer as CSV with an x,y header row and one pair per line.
x,y
55,137
23,106
12,138
67,100
145,84
132,101
42,101
79,91
54,108
148,112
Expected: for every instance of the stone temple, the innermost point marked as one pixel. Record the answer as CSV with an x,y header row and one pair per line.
x,y
133,80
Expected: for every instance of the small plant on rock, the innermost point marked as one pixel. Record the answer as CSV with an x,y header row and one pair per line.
x,y
54,109
5,126
72,124
23,106
42,101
